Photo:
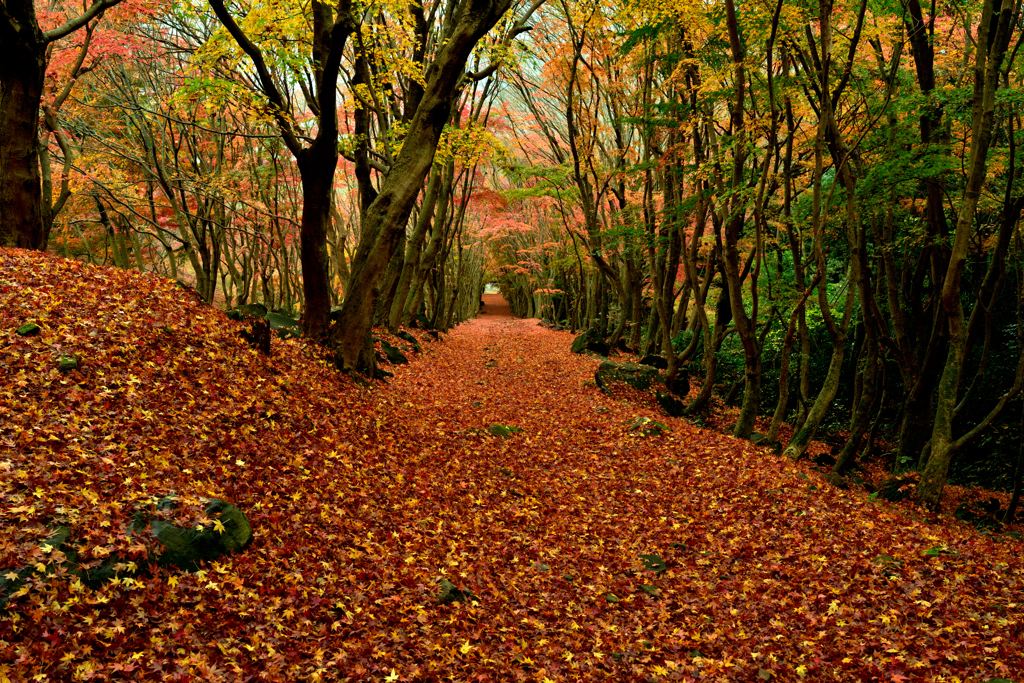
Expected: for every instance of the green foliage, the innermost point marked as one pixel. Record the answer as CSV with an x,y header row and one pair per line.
x,y
643,34
288,327
539,181
503,431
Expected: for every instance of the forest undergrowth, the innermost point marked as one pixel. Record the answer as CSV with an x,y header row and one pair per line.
x,y
485,515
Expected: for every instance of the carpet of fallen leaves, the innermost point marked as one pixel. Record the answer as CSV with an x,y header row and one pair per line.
x,y
590,553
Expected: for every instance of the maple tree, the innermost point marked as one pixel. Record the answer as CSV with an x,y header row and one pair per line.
x,y
25,49
427,104
811,211
791,155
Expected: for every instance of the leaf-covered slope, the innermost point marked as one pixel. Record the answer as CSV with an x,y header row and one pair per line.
x,y
583,551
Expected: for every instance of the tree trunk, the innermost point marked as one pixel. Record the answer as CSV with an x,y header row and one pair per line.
x,y
787,349
22,68
989,58
391,278
1018,476
797,446
435,224
861,419
317,165
23,58
413,248
387,215
733,230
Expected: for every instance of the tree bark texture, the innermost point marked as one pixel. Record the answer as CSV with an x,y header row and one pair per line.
x,y
387,215
22,69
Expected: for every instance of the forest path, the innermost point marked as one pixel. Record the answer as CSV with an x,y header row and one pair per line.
x,y
567,530
504,370
592,553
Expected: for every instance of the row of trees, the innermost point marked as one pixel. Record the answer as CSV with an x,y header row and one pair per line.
x,y
826,191
206,142
830,190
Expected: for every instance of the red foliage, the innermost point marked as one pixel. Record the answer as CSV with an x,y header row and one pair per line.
x,y
362,499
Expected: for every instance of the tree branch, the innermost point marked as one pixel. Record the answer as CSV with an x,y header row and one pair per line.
x,y
266,80
95,10
520,27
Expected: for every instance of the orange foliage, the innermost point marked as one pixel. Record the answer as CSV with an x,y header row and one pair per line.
x,y
591,553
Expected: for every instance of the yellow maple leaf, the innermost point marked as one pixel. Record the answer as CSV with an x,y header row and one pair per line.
x,y
465,648
391,677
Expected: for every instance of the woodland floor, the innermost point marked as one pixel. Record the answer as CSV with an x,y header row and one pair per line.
x,y
591,553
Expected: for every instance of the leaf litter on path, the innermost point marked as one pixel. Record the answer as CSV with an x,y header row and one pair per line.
x,y
581,551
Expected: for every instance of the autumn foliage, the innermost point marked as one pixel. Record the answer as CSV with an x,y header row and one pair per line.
x,y
583,551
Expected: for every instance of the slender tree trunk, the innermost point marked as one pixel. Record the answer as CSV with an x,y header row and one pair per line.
x,y
1018,476
787,349
861,419
413,248
712,339
819,409
391,282
734,227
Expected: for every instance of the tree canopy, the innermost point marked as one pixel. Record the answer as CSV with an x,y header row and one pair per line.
x,y
810,210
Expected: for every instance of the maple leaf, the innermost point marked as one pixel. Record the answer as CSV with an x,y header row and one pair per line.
x,y
557,514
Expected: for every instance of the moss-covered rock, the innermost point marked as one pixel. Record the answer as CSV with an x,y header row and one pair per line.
x,y
645,426
638,376
451,593
672,406
591,341
897,489
393,354
188,547
402,334
503,431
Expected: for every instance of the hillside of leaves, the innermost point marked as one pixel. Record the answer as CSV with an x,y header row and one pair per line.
x,y
585,551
